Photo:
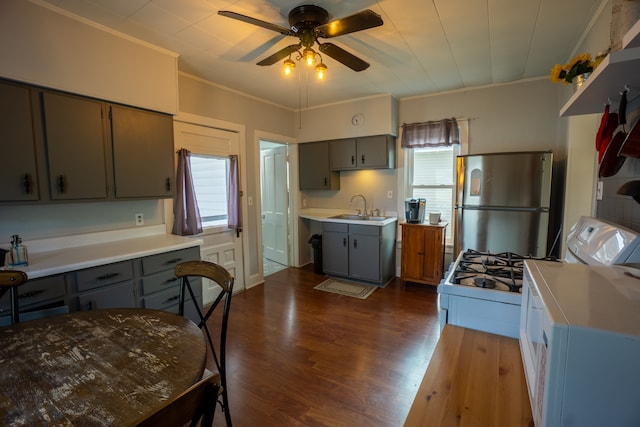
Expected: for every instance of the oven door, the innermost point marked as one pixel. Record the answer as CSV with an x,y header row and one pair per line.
x,y
533,345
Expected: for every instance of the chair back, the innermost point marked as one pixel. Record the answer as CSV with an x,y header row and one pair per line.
x,y
9,281
224,279
196,403
10,278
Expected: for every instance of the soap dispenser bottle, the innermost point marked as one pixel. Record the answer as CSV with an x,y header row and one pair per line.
x,y
18,252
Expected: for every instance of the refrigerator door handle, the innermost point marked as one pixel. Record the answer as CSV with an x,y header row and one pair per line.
x,y
502,208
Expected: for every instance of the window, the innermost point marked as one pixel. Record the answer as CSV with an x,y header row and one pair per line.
x,y
210,174
431,174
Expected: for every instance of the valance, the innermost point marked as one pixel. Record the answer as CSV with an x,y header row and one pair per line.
x,y
439,133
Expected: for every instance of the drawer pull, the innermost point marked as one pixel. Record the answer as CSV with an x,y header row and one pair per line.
x,y
173,261
107,276
172,299
170,281
30,294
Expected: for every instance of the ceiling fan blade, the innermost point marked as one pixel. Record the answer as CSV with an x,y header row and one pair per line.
x,y
259,23
350,24
279,55
344,57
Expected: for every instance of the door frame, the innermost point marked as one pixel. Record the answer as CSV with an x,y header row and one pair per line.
x,y
294,195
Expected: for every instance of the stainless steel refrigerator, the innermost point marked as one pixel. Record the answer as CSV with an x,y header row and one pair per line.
x,y
502,202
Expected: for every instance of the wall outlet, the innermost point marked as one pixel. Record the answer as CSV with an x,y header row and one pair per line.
x,y
390,194
139,219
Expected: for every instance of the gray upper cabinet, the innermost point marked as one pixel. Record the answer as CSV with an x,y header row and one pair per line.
x,y
75,147
62,147
315,173
142,153
18,175
370,152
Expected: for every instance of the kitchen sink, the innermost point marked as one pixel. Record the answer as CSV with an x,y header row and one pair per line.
x,y
353,217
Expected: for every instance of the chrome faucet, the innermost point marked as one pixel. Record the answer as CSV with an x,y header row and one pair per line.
x,y
363,199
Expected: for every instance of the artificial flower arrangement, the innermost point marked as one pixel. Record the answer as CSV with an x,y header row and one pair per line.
x,y
581,64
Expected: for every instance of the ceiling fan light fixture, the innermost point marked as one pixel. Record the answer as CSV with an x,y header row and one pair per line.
x,y
289,65
321,71
309,56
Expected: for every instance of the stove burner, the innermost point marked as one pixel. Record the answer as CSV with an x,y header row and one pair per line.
x,y
484,282
500,271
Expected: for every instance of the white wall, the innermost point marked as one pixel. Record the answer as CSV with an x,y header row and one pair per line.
x,y
378,116
582,163
209,100
42,46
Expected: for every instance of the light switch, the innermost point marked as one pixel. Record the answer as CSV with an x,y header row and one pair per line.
x,y
599,191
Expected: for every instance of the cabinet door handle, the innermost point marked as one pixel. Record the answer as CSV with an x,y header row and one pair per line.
x,y
171,299
30,294
62,184
325,181
353,160
28,185
168,184
355,243
344,242
362,159
107,276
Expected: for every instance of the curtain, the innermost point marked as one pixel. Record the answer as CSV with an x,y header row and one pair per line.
x,y
186,215
430,134
233,209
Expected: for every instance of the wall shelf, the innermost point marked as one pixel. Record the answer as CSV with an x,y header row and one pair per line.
x,y
618,70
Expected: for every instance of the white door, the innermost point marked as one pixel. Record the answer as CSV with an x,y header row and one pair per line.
x,y
275,204
220,245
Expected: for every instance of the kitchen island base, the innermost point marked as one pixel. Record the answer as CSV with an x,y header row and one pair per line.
x,y
473,378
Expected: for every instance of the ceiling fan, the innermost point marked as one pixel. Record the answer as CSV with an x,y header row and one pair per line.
x,y
309,23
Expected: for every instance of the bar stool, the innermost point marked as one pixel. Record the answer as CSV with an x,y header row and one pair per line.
x,y
224,279
9,281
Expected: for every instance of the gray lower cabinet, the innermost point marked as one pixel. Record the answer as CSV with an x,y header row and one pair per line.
x,y
146,282
335,249
359,252
105,286
160,288
37,298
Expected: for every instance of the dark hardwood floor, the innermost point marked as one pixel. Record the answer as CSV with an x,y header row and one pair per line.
x,y
297,356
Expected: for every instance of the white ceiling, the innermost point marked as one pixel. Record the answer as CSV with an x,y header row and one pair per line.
x,y
424,46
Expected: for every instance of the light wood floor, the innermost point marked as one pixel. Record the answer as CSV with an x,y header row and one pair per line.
x,y
302,357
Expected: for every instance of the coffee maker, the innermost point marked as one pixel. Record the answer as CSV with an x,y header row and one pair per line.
x,y
414,210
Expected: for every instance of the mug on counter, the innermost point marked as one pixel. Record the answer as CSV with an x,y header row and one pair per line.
x,y
434,218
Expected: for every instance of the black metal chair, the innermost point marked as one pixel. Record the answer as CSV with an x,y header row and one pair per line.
x,y
9,281
221,276
192,406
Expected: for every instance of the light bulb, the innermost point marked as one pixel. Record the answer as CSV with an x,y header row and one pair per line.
x,y
289,65
321,70
309,56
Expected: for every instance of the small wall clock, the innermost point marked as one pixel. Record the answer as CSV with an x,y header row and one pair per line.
x,y
357,120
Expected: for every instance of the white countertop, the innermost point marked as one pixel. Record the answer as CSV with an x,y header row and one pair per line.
x,y
324,215
97,249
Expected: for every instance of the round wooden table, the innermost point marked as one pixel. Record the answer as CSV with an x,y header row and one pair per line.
x,y
96,368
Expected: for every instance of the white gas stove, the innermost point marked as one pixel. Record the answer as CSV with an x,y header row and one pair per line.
x,y
481,290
